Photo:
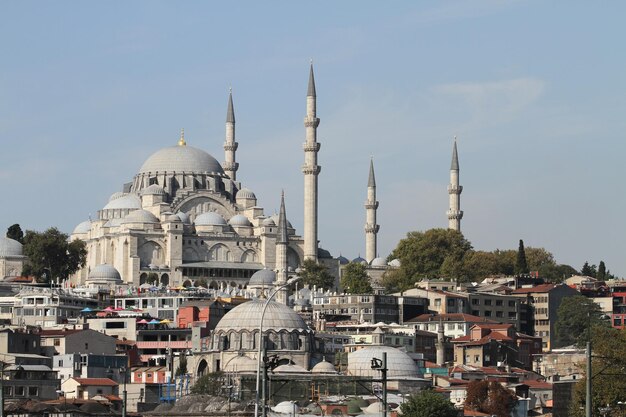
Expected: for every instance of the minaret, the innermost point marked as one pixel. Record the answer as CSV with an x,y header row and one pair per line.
x,y
371,228
454,189
230,146
282,240
311,170
441,354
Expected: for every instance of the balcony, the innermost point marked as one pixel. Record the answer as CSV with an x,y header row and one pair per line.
x,y
182,344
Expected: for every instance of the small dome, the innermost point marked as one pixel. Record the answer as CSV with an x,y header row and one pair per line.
x,y
127,201
286,407
275,218
239,220
379,262
10,247
104,272
181,159
117,195
290,369
210,219
264,277
343,260
395,263
269,222
245,193
246,317
241,363
83,227
154,189
323,254
173,218
399,364
140,216
324,368
359,260
183,217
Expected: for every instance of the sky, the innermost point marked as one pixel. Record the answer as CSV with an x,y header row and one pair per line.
x,y
534,91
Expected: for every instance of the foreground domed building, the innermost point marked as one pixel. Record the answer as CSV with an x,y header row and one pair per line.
x,y
11,258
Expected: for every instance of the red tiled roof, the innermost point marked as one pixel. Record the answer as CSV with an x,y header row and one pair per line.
x,y
537,384
473,413
538,288
96,381
493,326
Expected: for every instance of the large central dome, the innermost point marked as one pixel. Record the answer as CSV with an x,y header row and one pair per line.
x,y
181,159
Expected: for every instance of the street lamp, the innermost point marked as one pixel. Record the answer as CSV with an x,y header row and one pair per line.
x,y
124,370
63,393
258,365
2,389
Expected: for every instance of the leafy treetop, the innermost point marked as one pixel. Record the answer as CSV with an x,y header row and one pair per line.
x,y
354,279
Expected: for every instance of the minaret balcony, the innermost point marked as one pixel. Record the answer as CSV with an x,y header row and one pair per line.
x,y
455,189
372,228
311,170
371,205
455,214
230,166
311,121
231,146
311,147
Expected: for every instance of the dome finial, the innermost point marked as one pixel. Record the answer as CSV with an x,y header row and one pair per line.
x,y
181,141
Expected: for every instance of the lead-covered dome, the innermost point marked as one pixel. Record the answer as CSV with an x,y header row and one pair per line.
x,y
264,277
181,159
82,228
210,219
140,216
399,364
239,220
379,262
247,316
126,201
10,247
104,273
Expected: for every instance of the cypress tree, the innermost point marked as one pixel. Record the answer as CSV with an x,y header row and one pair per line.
x,y
521,266
601,275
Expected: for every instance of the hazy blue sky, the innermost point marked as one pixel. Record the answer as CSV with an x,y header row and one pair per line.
x,y
534,90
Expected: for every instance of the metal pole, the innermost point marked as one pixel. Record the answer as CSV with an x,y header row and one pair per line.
x,y
2,391
384,375
589,376
124,394
264,402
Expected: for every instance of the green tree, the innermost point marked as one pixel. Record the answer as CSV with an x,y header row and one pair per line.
x,y
521,266
354,279
428,403
182,365
609,377
588,270
209,384
51,256
601,275
316,274
481,264
153,278
574,316
557,273
15,232
490,397
435,253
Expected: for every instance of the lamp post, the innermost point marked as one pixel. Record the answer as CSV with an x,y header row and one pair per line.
x,y
258,365
64,394
381,365
124,370
2,389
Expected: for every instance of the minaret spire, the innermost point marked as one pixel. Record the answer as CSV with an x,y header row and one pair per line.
x,y
371,228
181,141
455,214
311,170
282,241
230,146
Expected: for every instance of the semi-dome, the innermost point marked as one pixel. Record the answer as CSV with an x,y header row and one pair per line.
x,y
269,222
127,201
104,273
264,277
324,368
399,364
117,195
10,247
83,227
154,189
289,369
183,217
140,216
241,363
210,219
181,159
239,220
245,193
246,316
379,262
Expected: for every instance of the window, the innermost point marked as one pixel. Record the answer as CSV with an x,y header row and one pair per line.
x,y
475,302
437,302
451,302
60,363
487,302
511,303
487,313
87,347
19,391
33,391
498,302
498,314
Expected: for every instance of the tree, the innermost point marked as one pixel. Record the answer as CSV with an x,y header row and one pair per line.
x,y
428,403
574,316
588,270
521,266
490,397
315,274
355,280
601,275
557,273
209,384
609,379
434,253
15,232
51,256
182,365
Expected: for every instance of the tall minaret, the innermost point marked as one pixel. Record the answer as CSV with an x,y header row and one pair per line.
x,y
371,228
230,146
441,353
282,240
454,189
311,170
